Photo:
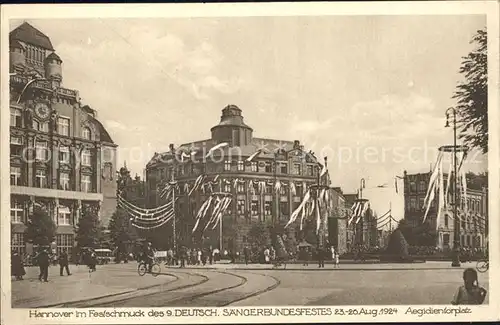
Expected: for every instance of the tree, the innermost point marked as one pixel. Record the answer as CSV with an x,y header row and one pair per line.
x,y
88,233
41,228
258,235
472,95
119,229
397,247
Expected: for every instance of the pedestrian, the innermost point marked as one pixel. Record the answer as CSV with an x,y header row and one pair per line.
x,y
332,251
246,254
170,256
198,257
183,256
43,260
17,266
336,260
470,293
321,257
266,255
63,263
210,255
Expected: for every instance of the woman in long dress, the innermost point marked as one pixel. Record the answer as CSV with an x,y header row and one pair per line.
x,y
17,266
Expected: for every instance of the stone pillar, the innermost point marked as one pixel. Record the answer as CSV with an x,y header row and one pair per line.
x,y
29,172
76,163
77,213
97,168
55,164
55,211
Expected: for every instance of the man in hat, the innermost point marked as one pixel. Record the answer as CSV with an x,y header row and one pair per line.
x,y
43,260
63,263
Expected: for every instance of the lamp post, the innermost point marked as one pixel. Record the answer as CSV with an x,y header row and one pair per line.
x,y
27,85
456,222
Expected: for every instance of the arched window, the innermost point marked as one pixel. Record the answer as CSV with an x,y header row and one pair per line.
x,y
86,134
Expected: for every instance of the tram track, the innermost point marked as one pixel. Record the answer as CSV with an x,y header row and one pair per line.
x,y
114,300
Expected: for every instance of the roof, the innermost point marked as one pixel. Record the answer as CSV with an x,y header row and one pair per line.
x,y
53,56
16,44
202,147
29,34
102,131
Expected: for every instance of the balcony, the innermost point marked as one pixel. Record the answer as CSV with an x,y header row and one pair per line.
x,y
54,193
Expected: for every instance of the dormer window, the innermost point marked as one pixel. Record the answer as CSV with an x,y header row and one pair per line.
x,y
86,134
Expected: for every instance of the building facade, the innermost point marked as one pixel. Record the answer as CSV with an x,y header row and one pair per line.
x,y
61,156
473,223
278,161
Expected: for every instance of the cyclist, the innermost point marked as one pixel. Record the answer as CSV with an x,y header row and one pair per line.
x,y
148,255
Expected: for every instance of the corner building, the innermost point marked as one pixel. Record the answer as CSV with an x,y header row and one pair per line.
x,y
473,224
279,160
61,156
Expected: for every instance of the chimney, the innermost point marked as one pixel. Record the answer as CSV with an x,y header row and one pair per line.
x,y
171,147
296,144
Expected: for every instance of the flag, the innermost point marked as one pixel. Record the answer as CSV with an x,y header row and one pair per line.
x,y
254,155
220,145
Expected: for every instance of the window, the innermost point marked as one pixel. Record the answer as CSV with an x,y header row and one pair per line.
x,y
422,186
446,239
64,181
41,178
268,208
15,175
310,170
64,155
283,168
86,157
240,187
41,126
253,166
16,146
64,243
283,190
298,190
63,126
284,208
86,134
421,202
413,204
16,211
86,183
268,189
227,188
227,165
241,166
41,151
268,167
413,187
296,169
241,207
18,244
446,220
64,216
255,207
15,117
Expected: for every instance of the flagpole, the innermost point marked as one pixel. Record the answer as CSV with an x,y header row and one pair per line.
x,y
173,210
390,216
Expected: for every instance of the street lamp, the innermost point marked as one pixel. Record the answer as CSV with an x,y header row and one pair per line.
x,y
27,85
456,222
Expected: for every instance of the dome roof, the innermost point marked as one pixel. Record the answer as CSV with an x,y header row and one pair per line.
x,y
53,56
231,116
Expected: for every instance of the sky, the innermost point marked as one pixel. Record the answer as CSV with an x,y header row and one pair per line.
x,y
369,92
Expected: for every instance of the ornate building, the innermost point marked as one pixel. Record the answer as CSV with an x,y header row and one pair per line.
x,y
250,179
473,227
61,156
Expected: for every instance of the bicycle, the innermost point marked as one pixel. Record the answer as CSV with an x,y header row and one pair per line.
x,y
483,265
142,269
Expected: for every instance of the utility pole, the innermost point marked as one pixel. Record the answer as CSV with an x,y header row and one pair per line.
x,y
456,201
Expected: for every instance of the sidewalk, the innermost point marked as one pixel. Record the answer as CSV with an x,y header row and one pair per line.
x,y
353,266
108,280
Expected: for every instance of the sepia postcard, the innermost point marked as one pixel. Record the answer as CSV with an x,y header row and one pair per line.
x,y
250,163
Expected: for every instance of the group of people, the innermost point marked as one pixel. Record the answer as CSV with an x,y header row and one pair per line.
x,y
183,256
44,257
